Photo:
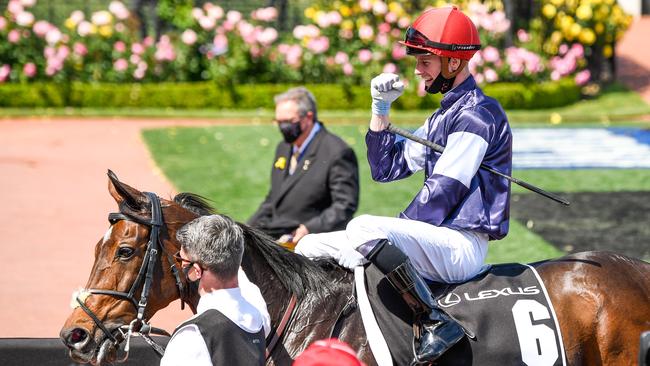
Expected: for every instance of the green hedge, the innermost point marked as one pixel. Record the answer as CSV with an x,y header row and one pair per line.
x,y
209,95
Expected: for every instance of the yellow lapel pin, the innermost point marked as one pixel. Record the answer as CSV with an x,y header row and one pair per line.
x,y
281,163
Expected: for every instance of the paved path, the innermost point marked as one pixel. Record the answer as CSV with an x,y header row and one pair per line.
x,y
55,201
633,57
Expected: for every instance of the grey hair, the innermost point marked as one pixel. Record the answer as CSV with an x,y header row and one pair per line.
x,y
302,97
216,242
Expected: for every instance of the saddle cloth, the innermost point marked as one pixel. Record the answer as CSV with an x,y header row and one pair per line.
x,y
506,310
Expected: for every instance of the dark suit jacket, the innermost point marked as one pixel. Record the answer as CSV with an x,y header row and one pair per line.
x,y
322,194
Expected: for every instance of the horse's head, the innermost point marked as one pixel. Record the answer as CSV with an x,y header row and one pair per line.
x,y
134,274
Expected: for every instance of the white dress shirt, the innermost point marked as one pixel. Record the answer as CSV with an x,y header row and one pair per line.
x,y
243,305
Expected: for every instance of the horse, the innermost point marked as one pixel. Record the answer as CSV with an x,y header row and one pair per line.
x,y
602,299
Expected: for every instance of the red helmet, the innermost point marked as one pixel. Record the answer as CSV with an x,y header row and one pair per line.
x,y
444,32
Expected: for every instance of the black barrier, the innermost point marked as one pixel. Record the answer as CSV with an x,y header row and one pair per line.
x,y
644,349
50,352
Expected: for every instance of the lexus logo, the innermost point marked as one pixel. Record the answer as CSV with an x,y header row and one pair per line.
x,y
450,300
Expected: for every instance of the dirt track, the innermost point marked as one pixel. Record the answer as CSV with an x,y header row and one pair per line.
x,y
53,189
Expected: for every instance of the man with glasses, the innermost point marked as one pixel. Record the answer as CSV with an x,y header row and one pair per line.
x,y
231,321
314,178
442,235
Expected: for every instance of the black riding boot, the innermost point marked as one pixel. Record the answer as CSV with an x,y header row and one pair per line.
x,y
435,332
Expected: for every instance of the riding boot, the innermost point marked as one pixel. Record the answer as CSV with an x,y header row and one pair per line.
x,y
434,331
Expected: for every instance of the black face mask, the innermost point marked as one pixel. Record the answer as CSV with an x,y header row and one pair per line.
x,y
290,131
440,85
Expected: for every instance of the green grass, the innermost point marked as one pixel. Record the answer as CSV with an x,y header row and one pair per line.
x,y
615,106
231,165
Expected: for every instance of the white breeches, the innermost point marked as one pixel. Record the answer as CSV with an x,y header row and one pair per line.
x,y
437,253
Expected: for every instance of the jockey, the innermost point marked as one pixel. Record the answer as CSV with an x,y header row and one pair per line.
x,y
442,235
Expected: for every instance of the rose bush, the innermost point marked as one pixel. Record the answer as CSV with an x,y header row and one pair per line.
x,y
346,41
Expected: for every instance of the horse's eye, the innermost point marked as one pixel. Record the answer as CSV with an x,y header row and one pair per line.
x,y
125,252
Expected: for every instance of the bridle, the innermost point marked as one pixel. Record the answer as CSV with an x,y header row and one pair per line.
x,y
139,326
143,280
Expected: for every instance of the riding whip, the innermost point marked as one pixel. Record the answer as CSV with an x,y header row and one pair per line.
x,y
437,148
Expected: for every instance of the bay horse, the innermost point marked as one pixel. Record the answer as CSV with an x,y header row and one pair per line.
x,y
602,299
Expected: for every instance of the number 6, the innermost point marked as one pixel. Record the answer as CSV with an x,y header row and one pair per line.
x,y
537,341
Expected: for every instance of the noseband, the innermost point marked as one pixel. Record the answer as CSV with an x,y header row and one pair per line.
x,y
143,280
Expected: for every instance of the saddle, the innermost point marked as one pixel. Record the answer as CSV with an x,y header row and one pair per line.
x,y
505,311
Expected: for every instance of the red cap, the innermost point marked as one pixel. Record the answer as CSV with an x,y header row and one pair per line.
x,y
444,32
328,352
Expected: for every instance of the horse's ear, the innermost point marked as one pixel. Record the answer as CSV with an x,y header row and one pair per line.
x,y
124,194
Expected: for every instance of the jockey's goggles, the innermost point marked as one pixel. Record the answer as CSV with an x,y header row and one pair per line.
x,y
418,43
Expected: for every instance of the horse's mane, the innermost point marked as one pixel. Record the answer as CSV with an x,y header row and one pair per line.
x,y
297,273
195,203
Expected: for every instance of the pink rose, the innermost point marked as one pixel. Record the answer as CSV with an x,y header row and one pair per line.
x,y
390,67
119,46
491,54
334,17
490,75
582,77
267,14
523,36
220,44
267,36
29,69
479,78
348,69
137,48
341,58
366,32
148,41
120,65
294,56
233,16
13,36
399,51
384,28
390,17
80,49
189,37
382,39
319,45
365,55
41,27
5,70
15,7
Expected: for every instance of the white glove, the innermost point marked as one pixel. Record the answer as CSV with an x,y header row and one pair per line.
x,y
384,89
348,257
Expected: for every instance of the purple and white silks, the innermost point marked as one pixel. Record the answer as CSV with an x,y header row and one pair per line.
x,y
456,194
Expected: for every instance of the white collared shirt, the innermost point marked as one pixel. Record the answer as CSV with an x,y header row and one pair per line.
x,y
312,133
243,305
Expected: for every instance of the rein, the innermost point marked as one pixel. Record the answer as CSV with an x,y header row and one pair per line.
x,y
278,332
145,276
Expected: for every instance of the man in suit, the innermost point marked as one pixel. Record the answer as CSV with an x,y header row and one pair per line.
x,y
315,176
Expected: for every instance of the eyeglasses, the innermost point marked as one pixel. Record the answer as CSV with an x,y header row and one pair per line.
x,y
177,256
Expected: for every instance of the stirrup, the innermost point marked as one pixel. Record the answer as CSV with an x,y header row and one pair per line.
x,y
444,334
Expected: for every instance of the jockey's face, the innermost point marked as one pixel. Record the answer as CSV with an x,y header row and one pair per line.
x,y
427,67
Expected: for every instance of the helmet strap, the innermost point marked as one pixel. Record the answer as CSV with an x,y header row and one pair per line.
x,y
445,79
